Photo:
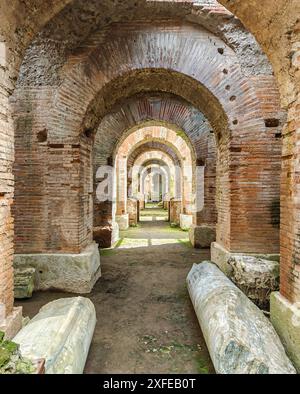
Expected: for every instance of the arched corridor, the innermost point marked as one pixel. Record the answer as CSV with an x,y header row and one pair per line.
x,y
149,180
151,324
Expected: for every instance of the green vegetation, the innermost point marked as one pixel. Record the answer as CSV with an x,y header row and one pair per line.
x,y
11,361
186,351
186,242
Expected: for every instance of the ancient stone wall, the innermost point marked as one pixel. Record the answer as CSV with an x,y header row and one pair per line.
x,y
277,30
54,162
225,81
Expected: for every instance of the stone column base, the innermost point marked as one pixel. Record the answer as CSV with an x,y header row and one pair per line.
x,y
202,236
123,221
107,235
186,221
12,324
74,273
222,256
285,317
257,275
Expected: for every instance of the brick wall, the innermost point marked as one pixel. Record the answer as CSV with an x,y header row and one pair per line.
x,y
6,190
232,104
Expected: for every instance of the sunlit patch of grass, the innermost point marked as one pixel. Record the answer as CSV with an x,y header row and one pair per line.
x,y
128,243
118,243
186,242
202,366
146,219
107,252
156,242
153,346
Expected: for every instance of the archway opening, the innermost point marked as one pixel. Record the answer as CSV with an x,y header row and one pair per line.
x,y
103,73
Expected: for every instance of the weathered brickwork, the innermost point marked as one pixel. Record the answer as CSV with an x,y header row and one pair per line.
x,y
6,199
276,27
151,146
55,183
78,70
225,82
168,137
160,159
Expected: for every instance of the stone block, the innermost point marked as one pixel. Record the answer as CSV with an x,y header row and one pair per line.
x,y
202,236
240,339
256,277
60,333
221,257
107,235
123,221
285,317
186,221
23,282
12,323
74,273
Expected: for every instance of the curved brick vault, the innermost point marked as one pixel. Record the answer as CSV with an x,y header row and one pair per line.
x,y
148,159
152,145
145,147
171,111
277,30
139,110
148,172
168,137
193,64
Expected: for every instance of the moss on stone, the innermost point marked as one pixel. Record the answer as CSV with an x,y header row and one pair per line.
x,y
10,346
4,356
11,360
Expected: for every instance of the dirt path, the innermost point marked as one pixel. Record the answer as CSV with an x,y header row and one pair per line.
x,y
146,323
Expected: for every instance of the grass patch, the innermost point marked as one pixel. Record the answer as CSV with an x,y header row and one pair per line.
x,y
185,242
202,366
107,252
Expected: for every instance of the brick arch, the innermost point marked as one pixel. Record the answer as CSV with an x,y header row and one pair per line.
x,y
148,157
158,169
198,77
160,108
141,110
186,77
85,27
196,60
19,22
168,137
278,21
152,145
277,29
254,10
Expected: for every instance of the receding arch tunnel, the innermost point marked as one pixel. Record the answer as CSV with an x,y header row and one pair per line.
x,y
137,139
